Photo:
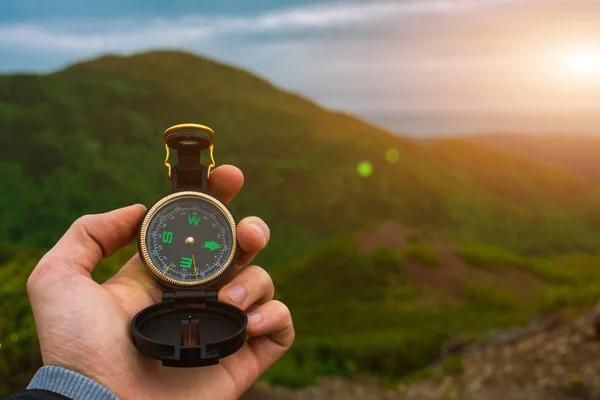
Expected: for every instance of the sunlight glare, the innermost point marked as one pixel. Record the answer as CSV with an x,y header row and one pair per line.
x,y
584,63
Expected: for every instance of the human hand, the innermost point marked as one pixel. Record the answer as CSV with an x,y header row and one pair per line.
x,y
85,326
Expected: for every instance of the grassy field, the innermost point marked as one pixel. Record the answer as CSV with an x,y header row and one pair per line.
x,y
383,312
372,312
89,139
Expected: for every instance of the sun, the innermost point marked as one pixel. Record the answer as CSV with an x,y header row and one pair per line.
x,y
584,63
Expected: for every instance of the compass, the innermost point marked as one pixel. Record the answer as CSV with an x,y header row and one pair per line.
x,y
188,242
188,239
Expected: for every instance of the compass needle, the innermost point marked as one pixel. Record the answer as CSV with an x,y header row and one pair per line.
x,y
195,268
167,269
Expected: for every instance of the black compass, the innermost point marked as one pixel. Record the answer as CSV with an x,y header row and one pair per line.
x,y
188,242
188,239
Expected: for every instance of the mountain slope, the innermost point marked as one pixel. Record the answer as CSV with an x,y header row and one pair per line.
x,y
577,154
89,138
388,300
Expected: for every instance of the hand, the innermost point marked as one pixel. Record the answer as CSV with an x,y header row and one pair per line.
x,y
85,326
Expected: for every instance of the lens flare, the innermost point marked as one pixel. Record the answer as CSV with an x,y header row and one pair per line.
x,y
392,155
364,169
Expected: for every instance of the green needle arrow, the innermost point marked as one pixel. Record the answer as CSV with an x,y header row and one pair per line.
x,y
212,245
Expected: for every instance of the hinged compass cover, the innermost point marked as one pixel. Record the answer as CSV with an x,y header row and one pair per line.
x,y
193,330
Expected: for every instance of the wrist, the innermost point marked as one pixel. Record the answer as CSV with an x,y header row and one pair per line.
x,y
70,384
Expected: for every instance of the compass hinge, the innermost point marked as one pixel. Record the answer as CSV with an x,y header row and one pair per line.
x,y
190,296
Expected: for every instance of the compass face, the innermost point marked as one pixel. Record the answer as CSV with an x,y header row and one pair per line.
x,y
188,239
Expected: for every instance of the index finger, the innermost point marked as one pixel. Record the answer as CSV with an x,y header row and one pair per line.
x,y
225,182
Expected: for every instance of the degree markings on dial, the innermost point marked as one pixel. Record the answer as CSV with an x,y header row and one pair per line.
x,y
155,246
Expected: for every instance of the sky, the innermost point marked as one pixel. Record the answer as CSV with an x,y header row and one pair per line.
x,y
421,66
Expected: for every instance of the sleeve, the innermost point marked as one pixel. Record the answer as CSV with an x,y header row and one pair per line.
x,y
57,383
36,394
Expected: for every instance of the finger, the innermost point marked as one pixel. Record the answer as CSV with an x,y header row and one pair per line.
x,y
88,240
271,332
253,236
225,182
252,285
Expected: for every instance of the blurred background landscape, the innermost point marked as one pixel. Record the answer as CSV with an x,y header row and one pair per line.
x,y
429,170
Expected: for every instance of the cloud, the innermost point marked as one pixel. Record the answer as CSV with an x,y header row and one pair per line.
x,y
88,37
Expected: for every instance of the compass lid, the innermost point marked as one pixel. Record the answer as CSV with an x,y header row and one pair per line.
x,y
190,328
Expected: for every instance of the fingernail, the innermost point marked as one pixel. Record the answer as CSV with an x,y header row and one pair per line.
x,y
237,293
260,231
254,318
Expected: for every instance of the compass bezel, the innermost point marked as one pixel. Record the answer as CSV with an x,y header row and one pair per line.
x,y
143,248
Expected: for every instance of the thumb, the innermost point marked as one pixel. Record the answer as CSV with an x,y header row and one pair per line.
x,y
86,242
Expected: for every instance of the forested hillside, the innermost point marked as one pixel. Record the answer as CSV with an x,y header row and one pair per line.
x,y
408,244
89,138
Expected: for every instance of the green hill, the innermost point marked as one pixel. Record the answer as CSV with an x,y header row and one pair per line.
x,y
386,301
89,138
383,302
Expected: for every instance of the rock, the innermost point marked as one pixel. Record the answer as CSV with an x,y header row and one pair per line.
x,y
553,323
508,337
455,346
474,386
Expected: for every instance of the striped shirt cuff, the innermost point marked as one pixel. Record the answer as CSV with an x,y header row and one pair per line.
x,y
70,384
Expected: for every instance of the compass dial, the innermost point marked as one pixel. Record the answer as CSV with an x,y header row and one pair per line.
x,y
188,239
